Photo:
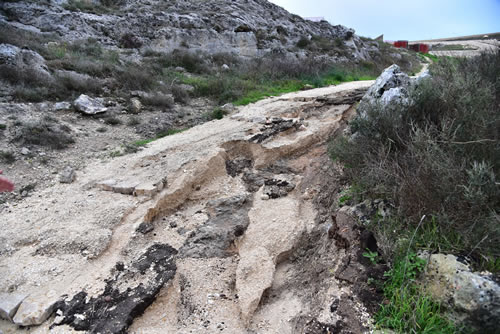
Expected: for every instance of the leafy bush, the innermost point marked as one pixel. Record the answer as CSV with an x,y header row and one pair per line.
x,y
218,113
191,61
44,133
303,42
130,41
7,156
133,77
158,100
438,157
112,120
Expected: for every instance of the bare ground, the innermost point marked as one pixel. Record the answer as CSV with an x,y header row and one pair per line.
x,y
229,226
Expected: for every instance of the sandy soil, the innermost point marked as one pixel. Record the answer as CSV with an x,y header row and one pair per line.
x,y
68,238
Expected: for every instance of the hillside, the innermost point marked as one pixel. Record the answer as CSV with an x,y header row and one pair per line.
x,y
249,28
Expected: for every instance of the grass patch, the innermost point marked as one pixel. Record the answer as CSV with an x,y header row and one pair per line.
x,y
430,56
451,47
245,86
408,309
144,142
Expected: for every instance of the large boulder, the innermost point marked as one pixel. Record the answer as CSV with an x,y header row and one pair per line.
x,y
391,87
23,60
88,105
472,298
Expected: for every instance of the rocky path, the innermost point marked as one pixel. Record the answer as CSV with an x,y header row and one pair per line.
x,y
205,231
472,48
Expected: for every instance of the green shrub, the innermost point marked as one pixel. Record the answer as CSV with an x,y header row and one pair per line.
x,y
130,41
7,156
194,62
218,113
158,100
303,42
133,121
438,157
112,120
133,77
45,133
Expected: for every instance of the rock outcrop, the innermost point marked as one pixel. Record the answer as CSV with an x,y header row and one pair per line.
x,y
390,88
247,28
471,298
23,61
89,106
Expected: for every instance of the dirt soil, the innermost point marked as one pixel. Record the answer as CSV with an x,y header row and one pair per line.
x,y
472,48
230,226
95,138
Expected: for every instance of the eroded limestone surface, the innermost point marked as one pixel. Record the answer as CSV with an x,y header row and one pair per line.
x,y
214,214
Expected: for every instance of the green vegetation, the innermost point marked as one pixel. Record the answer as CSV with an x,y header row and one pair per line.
x,y
437,161
257,79
169,132
451,47
372,256
7,156
86,67
218,113
408,309
44,133
430,56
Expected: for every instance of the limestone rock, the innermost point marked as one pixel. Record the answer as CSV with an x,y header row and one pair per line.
x,y
60,106
186,88
25,151
238,27
254,275
88,105
35,309
135,106
391,87
9,303
23,60
68,175
228,107
472,298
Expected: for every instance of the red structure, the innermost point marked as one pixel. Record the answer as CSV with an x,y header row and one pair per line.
x,y
401,44
420,47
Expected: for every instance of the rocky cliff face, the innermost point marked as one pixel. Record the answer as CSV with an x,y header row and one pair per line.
x,y
247,27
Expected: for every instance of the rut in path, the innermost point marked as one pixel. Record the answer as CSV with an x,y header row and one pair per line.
x,y
231,200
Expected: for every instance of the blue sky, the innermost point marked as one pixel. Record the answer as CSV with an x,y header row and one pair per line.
x,y
404,19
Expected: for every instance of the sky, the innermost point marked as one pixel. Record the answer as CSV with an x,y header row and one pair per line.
x,y
404,19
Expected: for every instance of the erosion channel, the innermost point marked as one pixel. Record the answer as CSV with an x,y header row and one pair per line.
x,y
226,227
